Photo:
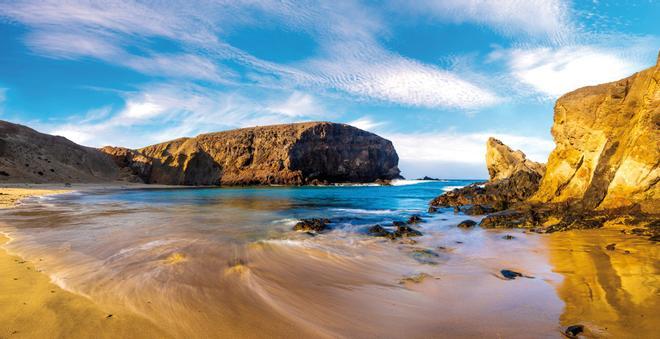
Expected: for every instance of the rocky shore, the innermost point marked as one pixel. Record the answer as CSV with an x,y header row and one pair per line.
x,y
605,167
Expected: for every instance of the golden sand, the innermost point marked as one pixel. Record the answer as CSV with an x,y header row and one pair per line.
x,y
33,307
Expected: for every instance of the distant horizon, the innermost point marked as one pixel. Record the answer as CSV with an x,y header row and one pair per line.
x,y
437,78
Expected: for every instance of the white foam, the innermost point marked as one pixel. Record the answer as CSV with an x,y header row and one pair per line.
x,y
362,211
404,182
451,188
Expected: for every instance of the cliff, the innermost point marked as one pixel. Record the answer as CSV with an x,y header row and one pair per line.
x,y
292,154
502,162
608,145
27,156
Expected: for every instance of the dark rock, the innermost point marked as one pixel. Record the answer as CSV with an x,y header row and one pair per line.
x,y
508,274
378,231
610,247
478,210
457,209
432,209
312,225
467,224
414,219
398,223
574,330
407,231
508,237
655,237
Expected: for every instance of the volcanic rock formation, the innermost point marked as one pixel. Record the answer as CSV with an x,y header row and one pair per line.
x,y
292,154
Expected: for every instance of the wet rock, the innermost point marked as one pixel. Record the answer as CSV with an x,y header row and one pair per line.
x,y
457,209
378,231
467,224
414,219
610,247
432,209
478,210
407,231
415,279
312,225
508,237
425,256
655,237
510,275
574,330
398,223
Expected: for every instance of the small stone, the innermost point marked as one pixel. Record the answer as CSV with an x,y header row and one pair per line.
x,y
508,274
610,247
508,237
467,224
109,316
377,231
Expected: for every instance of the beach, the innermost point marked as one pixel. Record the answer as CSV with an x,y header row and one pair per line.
x,y
224,262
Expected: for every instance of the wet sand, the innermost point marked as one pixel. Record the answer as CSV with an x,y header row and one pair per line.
x,y
33,307
192,271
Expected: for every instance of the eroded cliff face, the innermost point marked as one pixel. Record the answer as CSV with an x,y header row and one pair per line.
x,y
27,156
502,162
292,154
608,145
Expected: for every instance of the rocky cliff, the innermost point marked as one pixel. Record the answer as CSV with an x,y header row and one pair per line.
x,y
604,168
608,145
292,154
28,156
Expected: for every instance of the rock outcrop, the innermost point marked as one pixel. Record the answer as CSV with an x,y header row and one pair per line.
x,y
503,162
27,156
292,154
608,145
513,179
605,166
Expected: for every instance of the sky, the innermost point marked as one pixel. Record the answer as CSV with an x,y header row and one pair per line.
x,y
437,78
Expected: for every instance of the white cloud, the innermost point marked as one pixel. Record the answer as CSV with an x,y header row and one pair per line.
x,y
550,19
366,123
465,148
298,105
180,110
556,71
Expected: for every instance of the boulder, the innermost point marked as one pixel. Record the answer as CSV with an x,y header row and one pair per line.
x,y
502,162
312,225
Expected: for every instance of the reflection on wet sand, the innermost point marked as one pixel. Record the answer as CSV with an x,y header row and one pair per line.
x,y
614,291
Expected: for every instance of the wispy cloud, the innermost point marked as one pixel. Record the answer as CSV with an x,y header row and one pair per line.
x,y
180,110
366,123
548,19
353,60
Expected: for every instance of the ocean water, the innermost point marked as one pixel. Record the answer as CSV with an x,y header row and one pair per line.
x,y
224,262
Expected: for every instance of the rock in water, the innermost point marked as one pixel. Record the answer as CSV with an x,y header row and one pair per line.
x,y
514,178
28,156
292,154
467,224
378,231
502,162
607,145
312,225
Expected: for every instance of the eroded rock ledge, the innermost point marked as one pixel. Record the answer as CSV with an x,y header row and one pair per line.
x,y
292,154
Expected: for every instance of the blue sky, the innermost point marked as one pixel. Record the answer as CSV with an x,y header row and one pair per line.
x,y
435,77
